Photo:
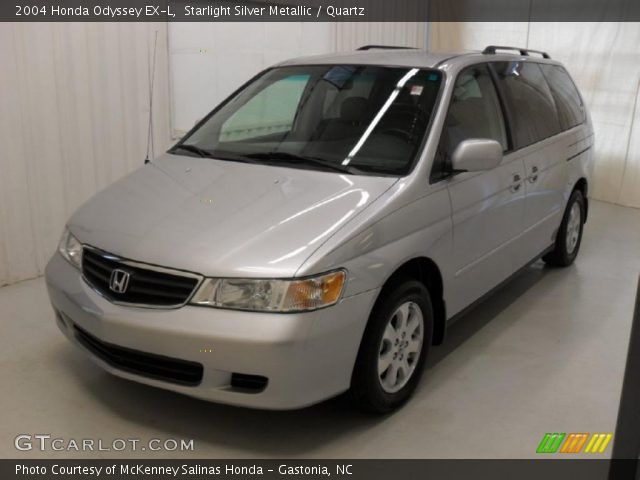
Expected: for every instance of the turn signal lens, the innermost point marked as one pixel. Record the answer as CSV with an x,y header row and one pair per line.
x,y
314,293
272,295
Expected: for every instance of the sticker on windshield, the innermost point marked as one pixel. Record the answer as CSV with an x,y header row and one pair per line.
x,y
416,89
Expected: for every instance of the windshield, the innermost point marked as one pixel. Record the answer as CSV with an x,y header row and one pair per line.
x,y
350,118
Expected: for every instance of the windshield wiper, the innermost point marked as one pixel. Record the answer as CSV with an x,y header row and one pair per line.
x,y
275,157
215,155
201,152
293,158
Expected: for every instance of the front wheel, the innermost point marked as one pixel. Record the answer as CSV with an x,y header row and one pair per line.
x,y
394,348
569,235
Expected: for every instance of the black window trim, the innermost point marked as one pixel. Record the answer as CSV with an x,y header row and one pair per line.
x,y
503,108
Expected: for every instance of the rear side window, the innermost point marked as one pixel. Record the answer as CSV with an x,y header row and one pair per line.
x,y
566,96
474,112
530,104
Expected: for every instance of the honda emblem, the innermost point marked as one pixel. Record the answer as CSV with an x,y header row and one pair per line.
x,y
119,281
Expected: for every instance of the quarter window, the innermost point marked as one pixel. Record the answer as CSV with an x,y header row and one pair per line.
x,y
566,96
530,105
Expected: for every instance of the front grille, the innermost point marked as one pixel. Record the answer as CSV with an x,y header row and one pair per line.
x,y
150,365
147,286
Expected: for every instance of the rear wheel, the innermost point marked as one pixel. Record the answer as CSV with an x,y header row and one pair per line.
x,y
569,235
394,348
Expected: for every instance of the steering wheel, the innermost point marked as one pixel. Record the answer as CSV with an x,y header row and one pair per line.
x,y
414,118
397,132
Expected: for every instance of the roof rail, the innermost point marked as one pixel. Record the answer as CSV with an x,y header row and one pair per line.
x,y
385,47
491,49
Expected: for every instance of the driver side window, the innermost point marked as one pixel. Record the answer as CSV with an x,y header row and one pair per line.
x,y
474,112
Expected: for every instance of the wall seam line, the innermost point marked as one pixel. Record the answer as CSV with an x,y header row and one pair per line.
x,y
529,22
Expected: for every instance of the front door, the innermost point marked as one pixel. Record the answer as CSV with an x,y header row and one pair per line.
x,y
488,206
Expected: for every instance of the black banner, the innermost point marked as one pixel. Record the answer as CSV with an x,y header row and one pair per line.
x,y
295,469
320,10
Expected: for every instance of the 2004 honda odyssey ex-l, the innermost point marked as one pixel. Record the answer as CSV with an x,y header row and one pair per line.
x,y
318,230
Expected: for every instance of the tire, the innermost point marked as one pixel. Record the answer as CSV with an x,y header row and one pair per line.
x,y
386,336
569,235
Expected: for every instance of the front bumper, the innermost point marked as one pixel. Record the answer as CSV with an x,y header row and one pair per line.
x,y
306,357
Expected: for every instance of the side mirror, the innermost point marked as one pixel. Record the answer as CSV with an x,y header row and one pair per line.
x,y
476,154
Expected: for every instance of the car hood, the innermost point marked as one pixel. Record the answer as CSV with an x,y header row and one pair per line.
x,y
223,218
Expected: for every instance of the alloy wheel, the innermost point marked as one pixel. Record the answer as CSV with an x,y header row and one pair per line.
x,y
573,228
400,347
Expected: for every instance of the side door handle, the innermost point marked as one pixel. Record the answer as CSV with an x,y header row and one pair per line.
x,y
517,183
533,178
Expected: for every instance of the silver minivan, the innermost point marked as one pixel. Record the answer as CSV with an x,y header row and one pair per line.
x,y
318,231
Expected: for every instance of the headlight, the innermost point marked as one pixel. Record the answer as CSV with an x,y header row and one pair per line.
x,y
271,295
71,249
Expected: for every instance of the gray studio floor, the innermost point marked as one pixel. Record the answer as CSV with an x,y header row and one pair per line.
x,y
544,354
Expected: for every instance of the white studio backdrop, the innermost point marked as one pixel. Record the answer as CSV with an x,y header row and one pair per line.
x,y
74,101
74,105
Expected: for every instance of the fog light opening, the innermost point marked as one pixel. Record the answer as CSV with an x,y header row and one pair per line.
x,y
248,383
